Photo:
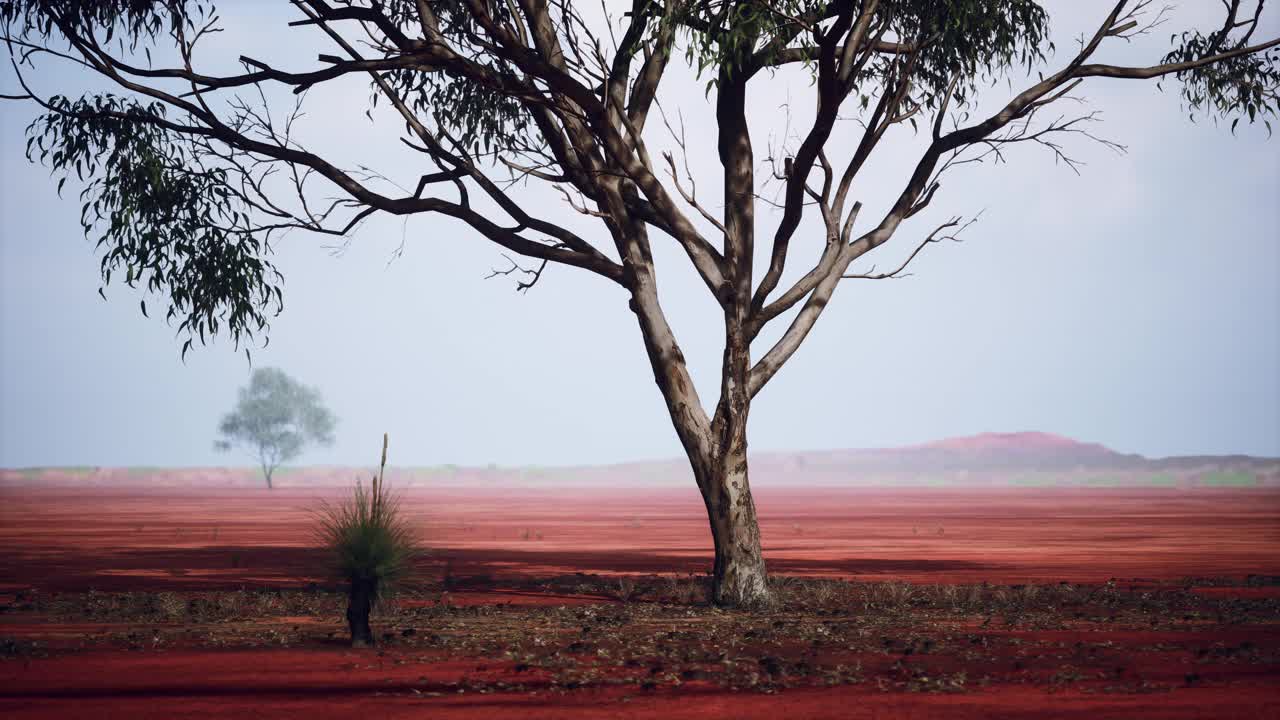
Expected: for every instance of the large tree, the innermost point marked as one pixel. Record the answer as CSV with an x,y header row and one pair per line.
x,y
190,169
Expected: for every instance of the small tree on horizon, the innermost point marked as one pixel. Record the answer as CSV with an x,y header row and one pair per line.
x,y
274,419
193,166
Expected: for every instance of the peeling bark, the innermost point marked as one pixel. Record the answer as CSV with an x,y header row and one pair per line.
x,y
716,448
739,572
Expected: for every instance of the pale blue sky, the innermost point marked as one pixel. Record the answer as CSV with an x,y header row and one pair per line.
x,y
1136,305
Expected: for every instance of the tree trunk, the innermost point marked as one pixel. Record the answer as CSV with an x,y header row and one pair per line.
x,y
739,570
359,604
717,450
739,577
267,464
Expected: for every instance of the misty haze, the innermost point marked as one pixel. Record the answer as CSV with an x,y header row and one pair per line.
x,y
880,358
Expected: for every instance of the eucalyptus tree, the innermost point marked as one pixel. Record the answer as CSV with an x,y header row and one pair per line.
x,y
275,417
191,169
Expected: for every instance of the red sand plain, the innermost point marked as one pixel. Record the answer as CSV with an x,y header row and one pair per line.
x,y
120,539
345,684
73,539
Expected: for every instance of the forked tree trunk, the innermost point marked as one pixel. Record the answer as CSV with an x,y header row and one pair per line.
x,y
717,449
717,452
739,571
268,467
359,604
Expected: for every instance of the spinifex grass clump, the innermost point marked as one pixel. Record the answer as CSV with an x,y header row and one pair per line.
x,y
371,548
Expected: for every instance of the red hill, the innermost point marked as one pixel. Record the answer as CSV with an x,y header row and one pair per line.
x,y
1030,441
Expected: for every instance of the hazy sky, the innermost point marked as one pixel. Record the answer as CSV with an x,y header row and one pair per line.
x,y
1135,305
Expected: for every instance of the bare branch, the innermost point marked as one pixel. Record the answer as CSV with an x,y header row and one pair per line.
x,y
934,237
521,285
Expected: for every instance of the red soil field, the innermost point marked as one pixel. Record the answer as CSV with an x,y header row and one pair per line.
x,y
67,540
344,684
119,539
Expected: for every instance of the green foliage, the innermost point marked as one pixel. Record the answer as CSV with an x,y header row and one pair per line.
x,y
971,38
169,215
1228,478
478,117
1244,86
133,19
975,39
275,418
368,538
725,34
162,218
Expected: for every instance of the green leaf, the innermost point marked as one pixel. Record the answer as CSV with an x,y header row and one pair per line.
x,y
161,208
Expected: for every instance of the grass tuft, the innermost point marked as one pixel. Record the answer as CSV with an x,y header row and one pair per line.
x,y
368,537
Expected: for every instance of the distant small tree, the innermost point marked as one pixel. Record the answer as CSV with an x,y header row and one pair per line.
x,y
274,419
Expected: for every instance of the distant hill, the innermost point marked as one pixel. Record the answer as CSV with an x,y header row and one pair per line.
x,y
985,460
977,453
1033,458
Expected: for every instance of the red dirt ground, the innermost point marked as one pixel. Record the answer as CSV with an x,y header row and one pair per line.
x,y
72,539
345,684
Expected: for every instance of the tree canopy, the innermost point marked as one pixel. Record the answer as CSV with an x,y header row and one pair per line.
x,y
177,192
274,419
